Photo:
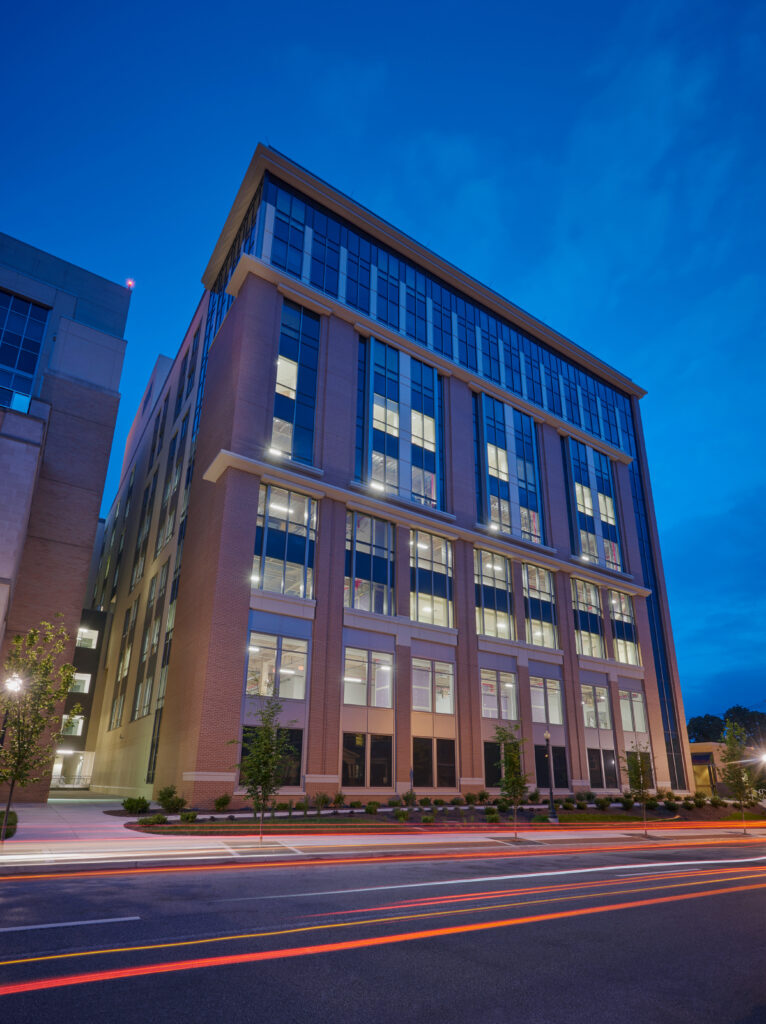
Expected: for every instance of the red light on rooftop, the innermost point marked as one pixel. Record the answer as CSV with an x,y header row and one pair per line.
x,y
130,283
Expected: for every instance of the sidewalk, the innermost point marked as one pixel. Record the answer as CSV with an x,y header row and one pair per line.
x,y
76,833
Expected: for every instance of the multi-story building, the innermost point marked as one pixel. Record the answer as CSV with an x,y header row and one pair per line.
x,y
373,487
61,353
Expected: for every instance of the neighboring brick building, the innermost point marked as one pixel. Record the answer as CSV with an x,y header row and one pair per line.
x,y
61,353
375,487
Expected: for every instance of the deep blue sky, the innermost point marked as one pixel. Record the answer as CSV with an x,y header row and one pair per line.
x,y
601,164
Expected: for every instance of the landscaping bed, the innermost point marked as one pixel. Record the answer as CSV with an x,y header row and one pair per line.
x,y
373,818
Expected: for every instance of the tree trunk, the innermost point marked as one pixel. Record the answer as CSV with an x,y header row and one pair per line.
x,y
260,830
7,810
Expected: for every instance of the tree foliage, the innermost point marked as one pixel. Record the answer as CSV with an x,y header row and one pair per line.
x,y
263,763
705,729
31,715
710,728
740,773
638,767
513,781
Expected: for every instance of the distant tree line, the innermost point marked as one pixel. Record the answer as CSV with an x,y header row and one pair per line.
x,y
711,728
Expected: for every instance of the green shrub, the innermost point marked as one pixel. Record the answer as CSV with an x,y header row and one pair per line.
x,y
590,796
222,802
427,819
356,804
716,801
303,805
188,816
425,801
482,796
401,814
687,804
372,807
568,805
339,799
438,802
457,801
652,803
503,806
10,823
671,805
627,801
283,807
135,804
410,798
493,818
603,802
321,800
699,799
533,796
170,801
471,799
153,819
582,805
395,802
670,795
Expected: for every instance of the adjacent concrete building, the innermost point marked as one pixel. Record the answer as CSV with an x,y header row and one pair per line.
x,y
377,489
61,353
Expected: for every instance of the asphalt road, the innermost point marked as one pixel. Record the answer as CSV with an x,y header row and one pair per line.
x,y
648,935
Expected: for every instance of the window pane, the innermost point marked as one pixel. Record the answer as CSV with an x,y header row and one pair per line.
x,y
491,764
639,712
422,761
421,685
508,704
380,761
292,669
555,710
537,690
353,759
381,692
445,764
588,707
602,708
355,677
261,665
444,698
625,714
594,767
488,694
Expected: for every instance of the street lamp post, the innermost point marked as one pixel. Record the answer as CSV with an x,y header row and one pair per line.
x,y
14,684
551,806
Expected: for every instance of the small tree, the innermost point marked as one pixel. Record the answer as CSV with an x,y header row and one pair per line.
x,y
738,775
513,783
262,767
638,767
30,710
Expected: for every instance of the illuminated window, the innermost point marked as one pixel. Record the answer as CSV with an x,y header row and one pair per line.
x,y
493,593
433,686
633,711
369,578
72,725
539,606
595,707
80,683
284,542
498,695
510,490
546,700
586,604
276,667
87,638
623,628
596,536
430,578
295,391
368,678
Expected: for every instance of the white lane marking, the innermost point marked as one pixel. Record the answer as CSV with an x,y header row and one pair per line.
x,y
68,924
509,878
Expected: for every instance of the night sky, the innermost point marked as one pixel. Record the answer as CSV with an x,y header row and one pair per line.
x,y
600,164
